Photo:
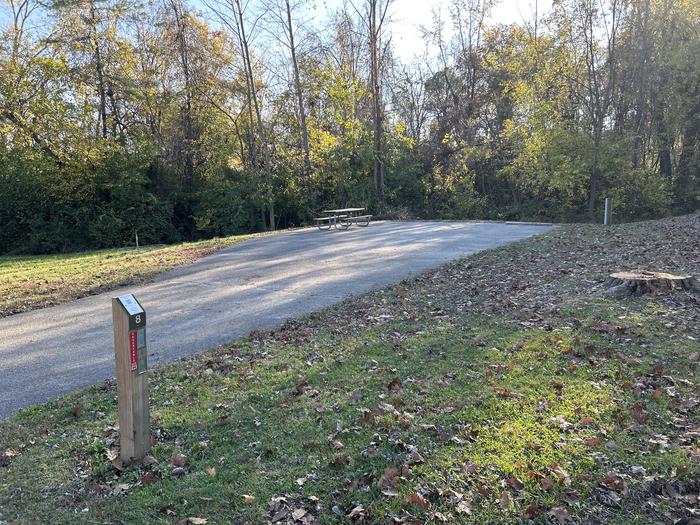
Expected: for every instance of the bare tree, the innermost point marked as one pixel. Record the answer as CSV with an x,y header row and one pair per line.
x,y
374,16
642,60
232,14
468,18
408,100
181,29
99,66
600,56
282,11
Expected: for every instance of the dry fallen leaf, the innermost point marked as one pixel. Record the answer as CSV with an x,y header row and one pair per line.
x,y
561,474
484,490
560,514
532,510
341,459
547,483
505,501
417,499
394,385
502,392
463,507
150,477
569,497
197,521
149,460
415,458
297,514
118,464
470,467
248,499
179,460
613,482
389,478
638,412
120,488
515,483
357,512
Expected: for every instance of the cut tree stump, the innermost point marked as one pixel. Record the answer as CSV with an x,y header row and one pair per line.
x,y
625,284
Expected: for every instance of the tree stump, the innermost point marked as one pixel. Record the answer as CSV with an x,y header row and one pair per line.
x,y
625,284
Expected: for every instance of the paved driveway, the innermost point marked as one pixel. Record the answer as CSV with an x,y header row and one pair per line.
x,y
255,284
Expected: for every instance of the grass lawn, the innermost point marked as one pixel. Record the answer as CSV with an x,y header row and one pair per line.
x,y
31,282
501,388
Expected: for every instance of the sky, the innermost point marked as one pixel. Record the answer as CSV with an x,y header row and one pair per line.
x,y
408,15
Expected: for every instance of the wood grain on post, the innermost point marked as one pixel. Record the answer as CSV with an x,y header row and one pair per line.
x,y
132,392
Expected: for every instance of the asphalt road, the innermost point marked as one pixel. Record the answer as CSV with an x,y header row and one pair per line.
x,y
256,284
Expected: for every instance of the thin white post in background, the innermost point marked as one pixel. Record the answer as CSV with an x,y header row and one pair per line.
x,y
608,212
137,233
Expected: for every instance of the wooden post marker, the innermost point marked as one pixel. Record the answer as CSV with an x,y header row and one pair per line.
x,y
129,320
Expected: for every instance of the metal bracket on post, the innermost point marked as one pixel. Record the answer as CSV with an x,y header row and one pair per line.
x,y
130,352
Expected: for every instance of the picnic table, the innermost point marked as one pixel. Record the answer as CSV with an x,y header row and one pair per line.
x,y
343,218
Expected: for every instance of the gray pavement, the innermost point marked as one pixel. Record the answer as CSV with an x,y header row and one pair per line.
x,y
256,284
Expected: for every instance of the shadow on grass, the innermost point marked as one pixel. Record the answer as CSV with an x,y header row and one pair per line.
x,y
491,410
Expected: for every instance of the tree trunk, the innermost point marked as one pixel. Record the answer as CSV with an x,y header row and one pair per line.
x,y
252,144
245,50
99,70
377,113
187,116
594,183
641,91
300,98
685,169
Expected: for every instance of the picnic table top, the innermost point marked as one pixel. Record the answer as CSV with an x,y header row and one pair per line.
x,y
343,210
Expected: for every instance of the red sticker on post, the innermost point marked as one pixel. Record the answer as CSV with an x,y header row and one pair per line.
x,y
133,351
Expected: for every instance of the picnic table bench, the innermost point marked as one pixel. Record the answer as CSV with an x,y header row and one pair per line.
x,y
343,218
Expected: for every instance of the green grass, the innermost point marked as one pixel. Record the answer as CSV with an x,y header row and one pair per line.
x,y
426,402
30,282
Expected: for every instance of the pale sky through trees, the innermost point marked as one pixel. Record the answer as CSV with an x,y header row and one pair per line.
x,y
409,15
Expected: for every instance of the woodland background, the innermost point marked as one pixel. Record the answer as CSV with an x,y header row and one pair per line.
x,y
183,120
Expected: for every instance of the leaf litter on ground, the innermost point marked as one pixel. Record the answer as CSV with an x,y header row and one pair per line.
x,y
499,388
